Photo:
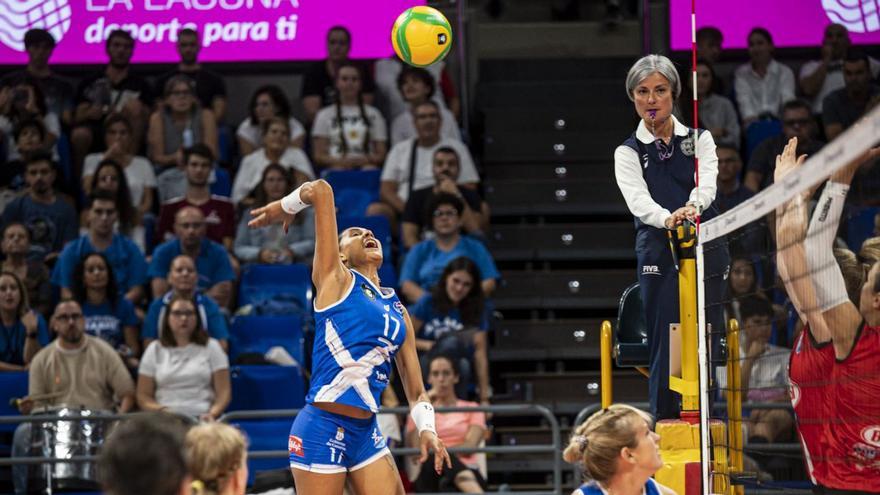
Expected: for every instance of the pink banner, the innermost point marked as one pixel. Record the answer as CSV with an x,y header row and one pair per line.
x,y
231,30
791,22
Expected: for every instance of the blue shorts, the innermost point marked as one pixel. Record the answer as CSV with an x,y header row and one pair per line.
x,y
327,443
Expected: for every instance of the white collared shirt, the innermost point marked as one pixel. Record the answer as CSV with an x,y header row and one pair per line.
x,y
756,95
628,172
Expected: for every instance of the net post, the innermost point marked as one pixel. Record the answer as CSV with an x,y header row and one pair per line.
x,y
703,371
734,403
605,345
684,241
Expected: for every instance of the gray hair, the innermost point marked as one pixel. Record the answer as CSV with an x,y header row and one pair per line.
x,y
648,65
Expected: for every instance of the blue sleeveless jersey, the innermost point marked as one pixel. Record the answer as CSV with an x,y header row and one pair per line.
x,y
593,488
355,341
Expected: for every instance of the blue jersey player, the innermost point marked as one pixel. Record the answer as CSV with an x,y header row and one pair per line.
x,y
359,328
618,452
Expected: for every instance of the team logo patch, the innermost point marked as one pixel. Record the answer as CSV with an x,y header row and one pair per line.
x,y
340,434
398,307
687,146
378,439
295,445
368,292
871,435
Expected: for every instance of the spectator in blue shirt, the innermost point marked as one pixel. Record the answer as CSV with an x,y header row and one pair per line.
x,y
22,331
182,278
109,316
427,259
129,265
453,319
51,221
215,272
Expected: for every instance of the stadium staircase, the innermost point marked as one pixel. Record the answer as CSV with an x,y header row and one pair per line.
x,y
561,236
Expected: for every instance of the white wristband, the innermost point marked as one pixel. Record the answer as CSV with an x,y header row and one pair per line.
x,y
423,416
292,203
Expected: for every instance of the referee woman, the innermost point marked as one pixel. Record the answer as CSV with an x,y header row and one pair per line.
x,y
654,169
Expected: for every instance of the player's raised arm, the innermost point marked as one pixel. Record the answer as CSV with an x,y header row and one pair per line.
x,y
791,228
319,195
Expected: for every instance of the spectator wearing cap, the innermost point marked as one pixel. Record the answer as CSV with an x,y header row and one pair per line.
x,y
51,221
57,91
843,107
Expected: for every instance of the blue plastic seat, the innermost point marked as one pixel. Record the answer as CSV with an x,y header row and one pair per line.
x,y
223,185
388,275
631,333
12,384
860,226
354,190
260,283
257,334
758,132
266,387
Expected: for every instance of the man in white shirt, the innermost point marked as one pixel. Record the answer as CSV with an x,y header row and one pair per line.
x,y
409,163
762,85
819,78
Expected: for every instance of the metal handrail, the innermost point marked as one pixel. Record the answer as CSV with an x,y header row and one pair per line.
x,y
507,409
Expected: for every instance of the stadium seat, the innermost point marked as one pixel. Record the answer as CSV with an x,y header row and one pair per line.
x,y
354,190
261,283
12,384
257,334
266,387
222,185
388,275
632,331
860,226
758,132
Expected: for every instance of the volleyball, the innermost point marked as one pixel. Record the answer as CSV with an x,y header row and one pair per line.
x,y
421,36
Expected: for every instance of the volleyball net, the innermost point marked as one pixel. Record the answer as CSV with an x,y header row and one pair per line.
x,y
782,243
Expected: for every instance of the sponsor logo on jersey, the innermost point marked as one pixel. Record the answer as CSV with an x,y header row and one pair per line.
x,y
340,434
368,292
378,439
398,307
650,270
295,445
871,435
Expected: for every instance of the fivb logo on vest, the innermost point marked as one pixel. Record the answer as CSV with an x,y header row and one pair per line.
x,y
650,270
18,16
858,16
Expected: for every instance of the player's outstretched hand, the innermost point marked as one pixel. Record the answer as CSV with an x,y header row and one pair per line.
x,y
269,214
788,161
429,441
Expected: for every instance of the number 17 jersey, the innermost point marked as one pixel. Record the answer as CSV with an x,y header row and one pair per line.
x,y
356,339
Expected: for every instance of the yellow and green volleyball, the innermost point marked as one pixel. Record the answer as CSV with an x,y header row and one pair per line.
x,y
421,36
